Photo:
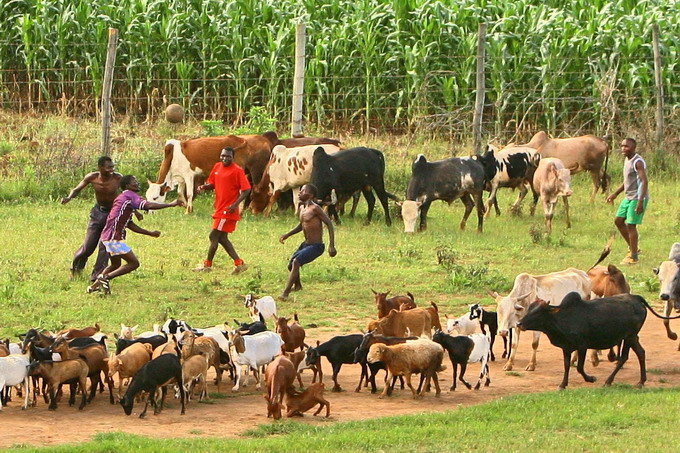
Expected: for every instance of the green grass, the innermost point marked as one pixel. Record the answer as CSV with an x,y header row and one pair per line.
x,y
614,419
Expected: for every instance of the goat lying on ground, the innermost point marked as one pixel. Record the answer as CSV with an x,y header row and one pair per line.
x,y
297,403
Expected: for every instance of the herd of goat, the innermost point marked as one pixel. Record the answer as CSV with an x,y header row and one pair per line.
x,y
177,354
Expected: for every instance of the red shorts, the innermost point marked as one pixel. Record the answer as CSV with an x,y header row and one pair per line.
x,y
226,225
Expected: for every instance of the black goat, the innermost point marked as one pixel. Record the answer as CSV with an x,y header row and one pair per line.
x,y
152,375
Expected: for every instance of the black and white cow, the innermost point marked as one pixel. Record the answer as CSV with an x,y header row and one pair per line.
x,y
348,171
512,167
446,180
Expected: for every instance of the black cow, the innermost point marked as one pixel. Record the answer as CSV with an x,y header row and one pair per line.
x,y
579,325
512,167
446,180
348,171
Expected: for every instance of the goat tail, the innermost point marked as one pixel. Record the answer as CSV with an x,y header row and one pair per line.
x,y
435,306
606,251
295,317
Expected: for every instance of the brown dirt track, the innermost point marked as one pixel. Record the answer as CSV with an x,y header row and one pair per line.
x,y
38,426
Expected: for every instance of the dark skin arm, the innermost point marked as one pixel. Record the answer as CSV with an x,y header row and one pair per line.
x,y
139,230
206,187
152,206
292,232
331,232
642,173
81,185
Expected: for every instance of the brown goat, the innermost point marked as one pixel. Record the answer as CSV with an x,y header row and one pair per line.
x,y
167,348
4,348
77,333
298,359
97,362
399,303
279,377
297,403
57,373
293,335
414,322
128,362
194,345
195,369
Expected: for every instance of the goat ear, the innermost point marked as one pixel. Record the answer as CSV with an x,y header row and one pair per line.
x,y
134,328
317,343
115,335
123,326
656,270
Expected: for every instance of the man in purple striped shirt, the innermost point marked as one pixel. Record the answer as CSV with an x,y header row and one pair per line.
x,y
113,235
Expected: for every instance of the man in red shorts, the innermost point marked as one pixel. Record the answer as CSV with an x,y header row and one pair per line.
x,y
231,188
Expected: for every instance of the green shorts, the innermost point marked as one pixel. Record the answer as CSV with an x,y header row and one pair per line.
x,y
627,211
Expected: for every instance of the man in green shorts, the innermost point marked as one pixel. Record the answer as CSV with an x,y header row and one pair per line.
x,y
633,206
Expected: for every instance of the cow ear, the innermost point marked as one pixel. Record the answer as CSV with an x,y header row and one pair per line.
x,y
134,328
149,182
519,307
122,326
656,270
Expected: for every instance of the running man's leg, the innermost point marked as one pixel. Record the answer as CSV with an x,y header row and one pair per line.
x,y
95,227
131,263
293,278
228,246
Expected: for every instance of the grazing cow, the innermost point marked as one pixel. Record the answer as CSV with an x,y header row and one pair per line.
x,y
348,171
399,303
288,169
446,180
490,320
279,377
511,167
579,325
186,160
527,289
669,276
552,180
585,153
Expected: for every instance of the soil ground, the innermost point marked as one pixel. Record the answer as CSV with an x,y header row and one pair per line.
x,y
38,426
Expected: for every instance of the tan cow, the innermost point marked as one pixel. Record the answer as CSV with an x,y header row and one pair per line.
x,y
552,180
184,161
528,289
584,153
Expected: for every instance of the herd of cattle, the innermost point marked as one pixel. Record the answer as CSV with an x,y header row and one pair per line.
x,y
577,310
276,166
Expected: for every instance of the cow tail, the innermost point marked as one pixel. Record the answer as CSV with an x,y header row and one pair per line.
x,y
605,252
655,313
603,181
413,299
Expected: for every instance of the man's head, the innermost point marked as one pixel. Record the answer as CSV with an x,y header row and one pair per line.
x,y
227,156
106,165
308,192
129,182
628,146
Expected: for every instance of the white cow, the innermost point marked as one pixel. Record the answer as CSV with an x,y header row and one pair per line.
x,y
290,169
669,276
265,305
253,351
529,288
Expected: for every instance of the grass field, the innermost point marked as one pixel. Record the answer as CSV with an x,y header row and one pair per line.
x,y
615,419
444,265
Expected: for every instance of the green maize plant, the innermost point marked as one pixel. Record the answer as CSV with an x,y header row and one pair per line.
x,y
564,66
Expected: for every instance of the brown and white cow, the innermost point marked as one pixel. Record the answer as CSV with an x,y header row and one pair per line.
x,y
552,180
185,160
288,169
669,276
528,289
584,153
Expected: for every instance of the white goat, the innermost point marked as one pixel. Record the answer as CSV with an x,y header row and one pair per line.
x,y
14,371
265,305
254,351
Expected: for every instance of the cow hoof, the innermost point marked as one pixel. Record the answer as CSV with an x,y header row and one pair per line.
x,y
530,367
590,378
234,389
507,367
639,385
336,389
673,336
452,389
608,383
562,387
595,362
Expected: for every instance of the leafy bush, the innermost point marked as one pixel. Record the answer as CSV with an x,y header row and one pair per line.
x,y
476,278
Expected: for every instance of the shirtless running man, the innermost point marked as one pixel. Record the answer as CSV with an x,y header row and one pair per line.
x,y
311,218
105,183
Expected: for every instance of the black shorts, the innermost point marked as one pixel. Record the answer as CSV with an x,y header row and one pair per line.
x,y
306,253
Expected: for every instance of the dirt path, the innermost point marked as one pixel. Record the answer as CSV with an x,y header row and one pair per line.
x,y
38,426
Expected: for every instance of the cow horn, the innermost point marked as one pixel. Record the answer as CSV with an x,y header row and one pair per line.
x,y
519,307
374,292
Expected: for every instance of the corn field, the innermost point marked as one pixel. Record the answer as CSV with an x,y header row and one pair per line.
x,y
574,66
